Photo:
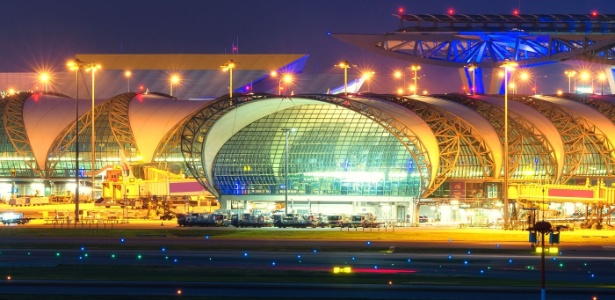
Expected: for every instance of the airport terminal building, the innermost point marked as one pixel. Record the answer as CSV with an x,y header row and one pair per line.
x,y
395,156
267,148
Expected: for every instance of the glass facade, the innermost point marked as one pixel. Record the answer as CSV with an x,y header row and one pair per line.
x,y
12,163
106,147
331,151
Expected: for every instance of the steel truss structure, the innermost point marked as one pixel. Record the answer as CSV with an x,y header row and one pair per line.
x,y
454,136
489,40
526,141
195,130
586,145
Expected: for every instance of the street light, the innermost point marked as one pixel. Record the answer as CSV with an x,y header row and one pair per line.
x,y
345,65
586,77
415,69
472,68
128,74
92,67
368,77
286,78
173,80
508,67
398,75
45,78
230,65
75,65
602,78
286,133
525,76
570,74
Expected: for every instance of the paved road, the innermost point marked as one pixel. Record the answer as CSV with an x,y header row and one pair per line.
x,y
579,266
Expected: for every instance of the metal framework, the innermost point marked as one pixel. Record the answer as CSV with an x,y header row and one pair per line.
x,y
579,135
452,133
605,107
522,133
171,142
488,40
16,131
120,124
65,139
192,139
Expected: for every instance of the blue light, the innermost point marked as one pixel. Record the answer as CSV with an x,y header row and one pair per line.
x,y
82,248
122,240
245,254
315,251
450,257
482,271
298,256
273,263
409,260
175,260
163,249
353,258
375,267
510,261
465,262
207,237
469,252
369,243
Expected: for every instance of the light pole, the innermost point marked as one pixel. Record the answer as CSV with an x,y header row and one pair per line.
x,y
45,78
274,74
508,66
368,77
472,68
398,75
75,65
230,65
286,133
128,74
415,69
345,65
602,78
92,67
570,74
287,78
173,80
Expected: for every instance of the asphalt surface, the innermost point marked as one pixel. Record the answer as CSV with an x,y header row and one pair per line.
x,y
585,257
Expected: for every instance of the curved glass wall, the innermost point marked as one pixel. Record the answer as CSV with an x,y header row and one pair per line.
x,y
331,150
106,151
12,164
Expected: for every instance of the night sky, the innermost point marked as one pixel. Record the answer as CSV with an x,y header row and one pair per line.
x,y
37,33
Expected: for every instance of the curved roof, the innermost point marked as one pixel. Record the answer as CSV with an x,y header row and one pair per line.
x,y
482,128
151,117
601,121
48,121
45,116
416,124
244,115
540,121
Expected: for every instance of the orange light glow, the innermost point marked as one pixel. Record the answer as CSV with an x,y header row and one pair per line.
x,y
400,10
451,11
594,13
516,12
